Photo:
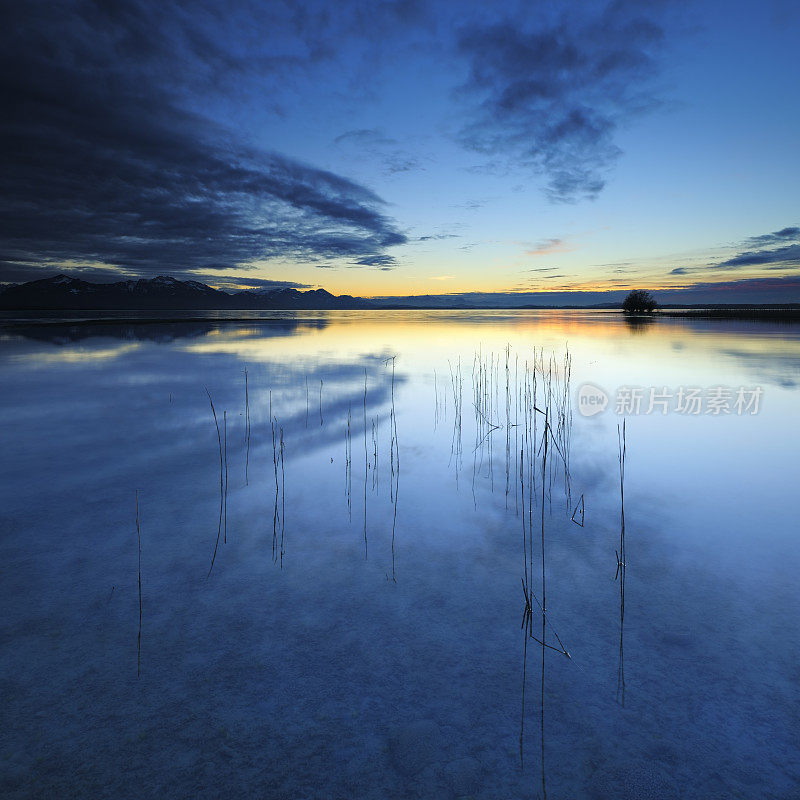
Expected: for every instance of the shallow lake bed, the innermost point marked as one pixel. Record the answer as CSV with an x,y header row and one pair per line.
x,y
359,633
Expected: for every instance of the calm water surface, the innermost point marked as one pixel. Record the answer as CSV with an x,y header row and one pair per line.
x,y
359,635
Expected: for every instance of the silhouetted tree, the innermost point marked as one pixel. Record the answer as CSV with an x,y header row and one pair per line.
x,y
639,301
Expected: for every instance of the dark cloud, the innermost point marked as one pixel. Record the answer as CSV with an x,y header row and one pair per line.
x,y
761,251
552,95
21,272
790,234
105,160
788,256
382,262
757,251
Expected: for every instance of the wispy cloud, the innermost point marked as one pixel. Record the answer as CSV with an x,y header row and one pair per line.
x,y
244,282
550,246
365,137
378,145
552,96
473,205
435,237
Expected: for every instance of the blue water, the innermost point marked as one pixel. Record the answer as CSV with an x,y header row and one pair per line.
x,y
361,638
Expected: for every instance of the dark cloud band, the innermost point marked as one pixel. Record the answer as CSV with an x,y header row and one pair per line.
x,y
103,159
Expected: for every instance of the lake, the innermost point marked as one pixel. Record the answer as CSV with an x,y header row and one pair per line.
x,y
388,500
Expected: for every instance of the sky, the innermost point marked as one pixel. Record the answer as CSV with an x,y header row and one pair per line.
x,y
553,151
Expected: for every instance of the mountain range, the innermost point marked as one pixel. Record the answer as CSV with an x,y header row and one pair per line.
x,y
63,292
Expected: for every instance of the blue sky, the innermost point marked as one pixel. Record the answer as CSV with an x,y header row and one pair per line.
x,y
402,148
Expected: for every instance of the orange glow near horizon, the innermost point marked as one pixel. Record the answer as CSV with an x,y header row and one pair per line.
x,y
406,288
434,336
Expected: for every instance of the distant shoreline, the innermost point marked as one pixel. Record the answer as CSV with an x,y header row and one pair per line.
x,y
55,317
755,313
